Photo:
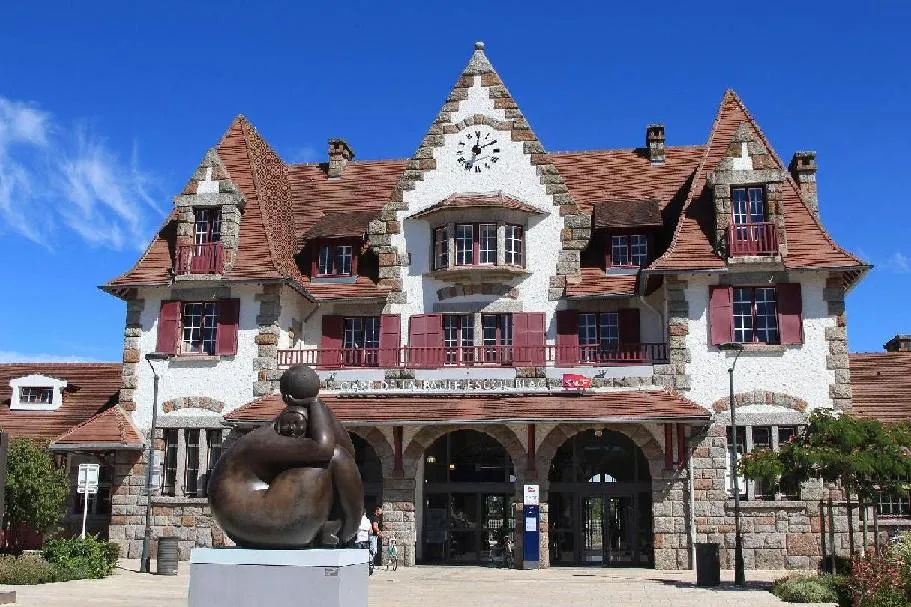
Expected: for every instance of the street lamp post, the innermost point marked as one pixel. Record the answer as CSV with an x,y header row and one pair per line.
x,y
739,575
145,561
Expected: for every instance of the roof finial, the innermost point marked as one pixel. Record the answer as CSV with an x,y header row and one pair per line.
x,y
479,45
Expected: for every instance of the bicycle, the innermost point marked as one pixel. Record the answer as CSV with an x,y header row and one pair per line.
x,y
392,555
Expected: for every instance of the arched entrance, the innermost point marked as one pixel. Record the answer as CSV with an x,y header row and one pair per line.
x,y
469,490
368,464
600,502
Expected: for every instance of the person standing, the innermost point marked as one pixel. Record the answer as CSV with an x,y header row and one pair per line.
x,y
376,532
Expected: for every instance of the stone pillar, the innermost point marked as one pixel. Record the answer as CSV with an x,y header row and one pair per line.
x,y
129,377
266,362
127,503
837,339
398,516
674,375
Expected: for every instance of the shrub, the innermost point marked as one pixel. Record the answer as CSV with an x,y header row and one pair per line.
x,y
82,558
26,569
876,581
805,589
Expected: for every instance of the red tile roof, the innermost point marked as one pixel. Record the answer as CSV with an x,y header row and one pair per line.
x,y
601,406
341,223
691,247
91,387
627,214
596,282
498,201
881,385
110,429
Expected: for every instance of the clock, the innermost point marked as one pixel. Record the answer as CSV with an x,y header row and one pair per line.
x,y
477,150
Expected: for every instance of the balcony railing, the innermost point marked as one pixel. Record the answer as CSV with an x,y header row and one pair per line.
x,y
476,356
753,239
199,259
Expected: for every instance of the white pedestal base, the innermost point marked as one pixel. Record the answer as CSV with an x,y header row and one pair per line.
x,y
240,577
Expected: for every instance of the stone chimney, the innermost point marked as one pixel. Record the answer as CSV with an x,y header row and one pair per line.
x,y
654,143
803,170
899,343
339,155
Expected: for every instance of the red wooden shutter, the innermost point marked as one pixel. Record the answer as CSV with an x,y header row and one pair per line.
x,y
331,343
567,338
790,317
721,315
390,340
226,332
169,326
426,340
628,329
528,338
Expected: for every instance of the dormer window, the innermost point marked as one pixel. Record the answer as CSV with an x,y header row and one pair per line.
x,y
628,250
36,393
33,395
207,226
334,259
204,256
751,231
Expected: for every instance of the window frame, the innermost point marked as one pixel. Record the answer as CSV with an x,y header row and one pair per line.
x,y
440,247
591,352
507,251
209,310
498,349
472,250
334,248
171,438
26,392
746,189
191,484
629,235
361,354
210,219
752,489
461,349
755,315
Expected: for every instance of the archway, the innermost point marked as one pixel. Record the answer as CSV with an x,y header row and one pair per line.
x,y
469,491
600,501
371,469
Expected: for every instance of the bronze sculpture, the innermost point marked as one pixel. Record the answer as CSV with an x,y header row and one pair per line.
x,y
293,483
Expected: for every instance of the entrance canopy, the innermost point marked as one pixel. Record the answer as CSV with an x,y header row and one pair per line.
x,y
626,406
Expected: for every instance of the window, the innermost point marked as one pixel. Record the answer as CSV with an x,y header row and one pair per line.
x,y
497,334
207,226
893,503
464,242
487,244
200,323
335,260
191,465
214,443
748,205
170,462
760,437
36,396
361,340
629,250
755,315
458,338
598,334
514,252
440,248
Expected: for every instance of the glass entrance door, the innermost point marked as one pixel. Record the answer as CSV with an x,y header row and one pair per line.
x,y
610,530
593,530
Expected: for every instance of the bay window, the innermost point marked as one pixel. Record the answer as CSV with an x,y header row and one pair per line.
x,y
487,243
440,248
464,244
513,246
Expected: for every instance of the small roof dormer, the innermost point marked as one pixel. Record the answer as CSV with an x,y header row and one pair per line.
x,y
36,393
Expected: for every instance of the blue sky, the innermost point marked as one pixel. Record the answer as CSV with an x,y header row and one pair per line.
x,y
106,108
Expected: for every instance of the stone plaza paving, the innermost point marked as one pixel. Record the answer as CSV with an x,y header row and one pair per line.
x,y
428,586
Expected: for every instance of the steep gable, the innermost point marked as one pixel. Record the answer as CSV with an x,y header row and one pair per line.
x,y
693,245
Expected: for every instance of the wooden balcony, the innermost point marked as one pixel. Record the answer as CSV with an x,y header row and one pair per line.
x,y
753,239
199,259
476,356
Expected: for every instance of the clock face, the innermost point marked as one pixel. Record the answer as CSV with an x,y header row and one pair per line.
x,y
477,150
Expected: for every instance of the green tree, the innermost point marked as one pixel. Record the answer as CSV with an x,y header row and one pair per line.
x,y
36,489
864,456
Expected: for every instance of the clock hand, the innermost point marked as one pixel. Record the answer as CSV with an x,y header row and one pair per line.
x,y
487,144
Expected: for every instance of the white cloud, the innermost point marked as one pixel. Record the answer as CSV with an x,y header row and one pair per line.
x,y
900,262
9,356
53,178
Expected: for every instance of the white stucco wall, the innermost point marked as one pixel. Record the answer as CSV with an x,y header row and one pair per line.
x,y
513,175
229,379
799,371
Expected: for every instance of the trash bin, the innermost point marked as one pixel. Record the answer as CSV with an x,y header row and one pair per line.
x,y
708,565
167,556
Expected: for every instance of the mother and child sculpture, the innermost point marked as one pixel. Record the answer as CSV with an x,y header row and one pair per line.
x,y
292,483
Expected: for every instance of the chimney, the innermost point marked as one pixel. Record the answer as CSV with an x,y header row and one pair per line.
x,y
803,170
899,343
654,143
339,155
